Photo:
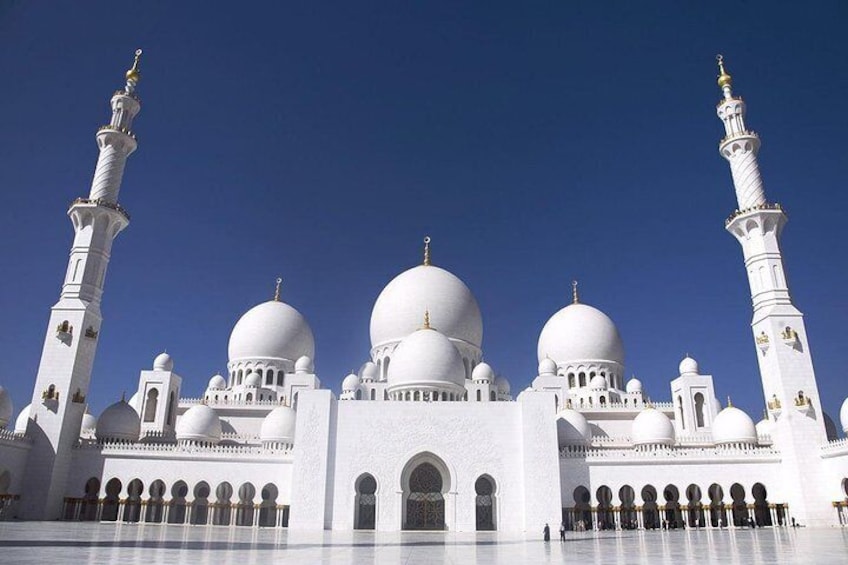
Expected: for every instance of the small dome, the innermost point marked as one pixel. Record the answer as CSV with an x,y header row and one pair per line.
x,y
732,425
598,382
199,423
502,384
764,427
688,366
350,383
572,428
369,372
652,427
303,364
89,424
163,362
278,426
253,380
547,366
217,383
843,416
271,330
483,372
453,308
119,422
580,333
6,408
22,420
633,385
427,358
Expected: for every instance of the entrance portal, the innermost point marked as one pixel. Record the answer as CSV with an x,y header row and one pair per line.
x,y
425,505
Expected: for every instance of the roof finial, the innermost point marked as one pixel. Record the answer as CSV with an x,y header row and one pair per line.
x,y
123,396
427,250
427,320
574,298
134,75
729,403
277,289
724,80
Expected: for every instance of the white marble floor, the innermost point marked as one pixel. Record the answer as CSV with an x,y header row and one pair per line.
x,y
63,542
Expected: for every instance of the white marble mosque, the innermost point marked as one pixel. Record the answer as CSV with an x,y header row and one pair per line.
x,y
264,445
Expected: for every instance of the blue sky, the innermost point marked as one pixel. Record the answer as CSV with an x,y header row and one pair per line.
x,y
535,142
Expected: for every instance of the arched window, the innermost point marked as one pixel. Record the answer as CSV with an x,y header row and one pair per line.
x,y
373,394
492,395
280,375
171,415
359,394
485,503
416,395
151,404
582,379
479,395
699,410
366,503
680,412
269,378
249,397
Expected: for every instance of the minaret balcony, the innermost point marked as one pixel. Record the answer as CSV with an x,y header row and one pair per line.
x,y
767,206
110,127
103,203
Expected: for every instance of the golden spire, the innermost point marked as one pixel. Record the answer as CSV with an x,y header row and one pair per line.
x,y
123,396
277,289
729,403
723,77
574,298
426,320
427,250
134,74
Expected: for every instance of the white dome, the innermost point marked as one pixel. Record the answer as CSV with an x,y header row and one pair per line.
x,y
22,419
271,330
199,423
764,427
688,366
278,426
88,425
598,382
163,362
6,408
428,358
572,428
547,366
843,416
652,427
253,380
303,364
217,383
633,385
350,383
483,372
502,384
369,372
453,309
119,422
579,333
732,425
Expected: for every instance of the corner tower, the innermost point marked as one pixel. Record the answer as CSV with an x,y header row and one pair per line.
x,y
782,347
64,372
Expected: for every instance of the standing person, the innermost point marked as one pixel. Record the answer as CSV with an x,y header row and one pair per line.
x,y
547,532
562,531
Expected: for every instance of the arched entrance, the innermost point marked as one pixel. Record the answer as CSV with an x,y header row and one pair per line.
x,y
366,503
762,516
424,498
484,503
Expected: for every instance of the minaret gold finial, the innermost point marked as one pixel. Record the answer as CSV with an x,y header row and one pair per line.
x,y
724,79
134,74
574,298
277,289
729,403
427,320
427,250
123,396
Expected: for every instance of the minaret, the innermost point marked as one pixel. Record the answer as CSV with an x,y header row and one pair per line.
x,y
58,401
783,351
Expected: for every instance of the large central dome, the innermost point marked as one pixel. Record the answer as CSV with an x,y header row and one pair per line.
x,y
579,333
453,309
271,330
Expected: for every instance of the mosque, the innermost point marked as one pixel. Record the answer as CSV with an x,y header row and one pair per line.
x,y
265,445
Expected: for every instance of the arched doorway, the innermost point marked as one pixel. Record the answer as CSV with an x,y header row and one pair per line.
x,y
244,508
200,506
672,507
177,510
606,520
650,510
761,505
739,506
425,501
268,506
484,503
718,517
582,509
155,504
89,500
366,503
110,504
132,506
628,508
223,505
694,508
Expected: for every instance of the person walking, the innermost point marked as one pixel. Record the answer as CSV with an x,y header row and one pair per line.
x,y
562,531
547,532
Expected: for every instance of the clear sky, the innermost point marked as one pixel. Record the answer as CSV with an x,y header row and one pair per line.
x,y
536,142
